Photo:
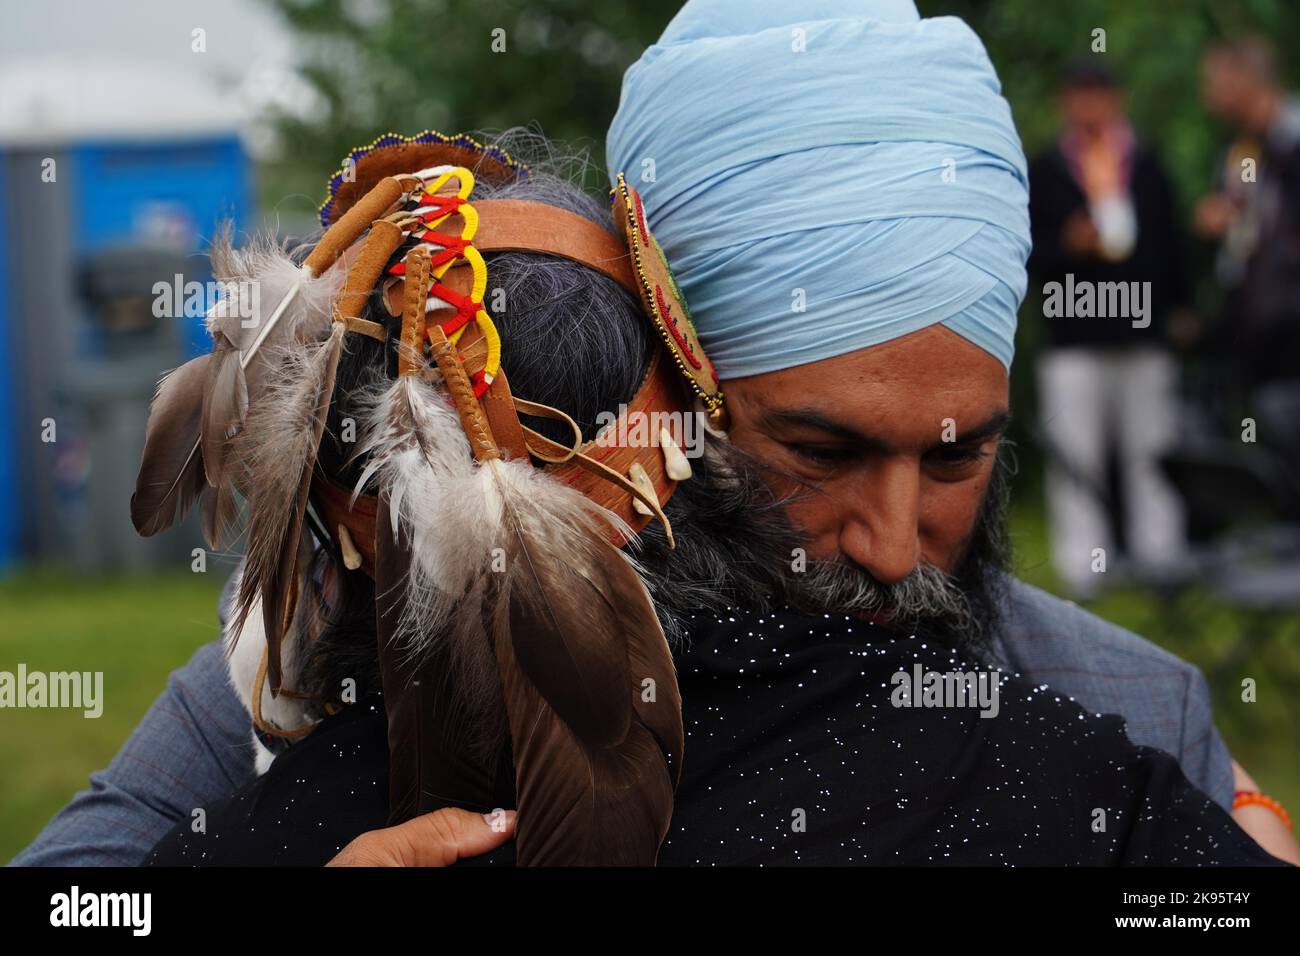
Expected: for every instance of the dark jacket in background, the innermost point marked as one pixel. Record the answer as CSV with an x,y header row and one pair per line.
x,y
1156,258
1263,313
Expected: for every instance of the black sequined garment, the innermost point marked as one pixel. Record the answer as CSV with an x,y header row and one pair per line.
x,y
812,740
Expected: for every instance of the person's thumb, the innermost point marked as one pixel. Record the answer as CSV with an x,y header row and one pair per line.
x,y
439,838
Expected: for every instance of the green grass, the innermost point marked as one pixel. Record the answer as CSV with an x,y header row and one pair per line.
x,y
138,629
134,629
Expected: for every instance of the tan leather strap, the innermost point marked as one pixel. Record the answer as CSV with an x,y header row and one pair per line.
x,y
481,440
259,682
375,204
410,354
661,391
538,410
497,402
365,327
537,441
499,407
520,225
380,244
334,504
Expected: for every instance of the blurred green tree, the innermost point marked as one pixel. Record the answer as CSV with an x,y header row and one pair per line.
x,y
1154,47
378,66
455,66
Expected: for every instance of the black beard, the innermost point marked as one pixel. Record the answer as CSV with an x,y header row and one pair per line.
x,y
736,547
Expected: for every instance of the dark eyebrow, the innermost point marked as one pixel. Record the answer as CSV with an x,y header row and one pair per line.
x,y
809,418
993,425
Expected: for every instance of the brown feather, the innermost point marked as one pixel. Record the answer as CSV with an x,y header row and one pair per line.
x,y
581,617
283,434
596,766
262,284
416,451
171,468
225,403
649,656
580,806
431,763
219,511
568,641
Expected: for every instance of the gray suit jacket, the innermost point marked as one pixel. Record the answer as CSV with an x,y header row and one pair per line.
x,y
1165,700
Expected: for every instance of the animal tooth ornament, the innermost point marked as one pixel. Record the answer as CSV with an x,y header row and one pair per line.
x,y
521,658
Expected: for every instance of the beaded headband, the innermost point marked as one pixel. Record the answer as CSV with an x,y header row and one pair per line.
x,y
494,550
634,482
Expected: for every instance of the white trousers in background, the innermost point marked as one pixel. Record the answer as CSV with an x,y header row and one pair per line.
x,y
1089,400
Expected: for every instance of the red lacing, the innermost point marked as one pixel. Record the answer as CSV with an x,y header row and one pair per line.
x,y
452,248
672,327
442,205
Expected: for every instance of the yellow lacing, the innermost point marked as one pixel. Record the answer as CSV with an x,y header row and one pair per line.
x,y
426,231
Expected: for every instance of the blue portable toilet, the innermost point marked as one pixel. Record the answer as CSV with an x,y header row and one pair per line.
x,y
100,164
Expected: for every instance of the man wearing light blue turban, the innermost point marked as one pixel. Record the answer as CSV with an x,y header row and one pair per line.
x,y
861,156
842,196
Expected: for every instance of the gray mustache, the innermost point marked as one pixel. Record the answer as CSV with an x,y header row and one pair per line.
x,y
927,594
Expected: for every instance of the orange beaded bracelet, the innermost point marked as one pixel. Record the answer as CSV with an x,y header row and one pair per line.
x,y
1244,798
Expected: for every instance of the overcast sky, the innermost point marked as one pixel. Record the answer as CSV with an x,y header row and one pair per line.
x,y
69,64
238,31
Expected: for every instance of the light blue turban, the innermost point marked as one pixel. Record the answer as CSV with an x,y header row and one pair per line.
x,y
879,171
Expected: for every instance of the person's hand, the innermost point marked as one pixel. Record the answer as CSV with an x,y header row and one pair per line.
x,y
1102,175
434,839
1213,215
1079,235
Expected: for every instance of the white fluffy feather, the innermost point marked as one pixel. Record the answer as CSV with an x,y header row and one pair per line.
x,y
549,509
453,512
257,277
421,459
244,649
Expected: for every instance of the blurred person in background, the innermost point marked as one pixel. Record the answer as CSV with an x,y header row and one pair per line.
x,y
1102,211
1255,217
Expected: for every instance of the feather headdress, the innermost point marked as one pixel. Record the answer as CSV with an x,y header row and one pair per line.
x,y
520,652
268,307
